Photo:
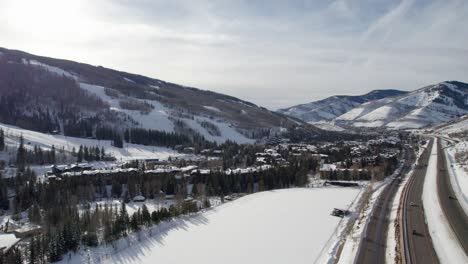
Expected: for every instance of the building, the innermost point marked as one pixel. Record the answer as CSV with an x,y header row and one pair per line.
x,y
7,242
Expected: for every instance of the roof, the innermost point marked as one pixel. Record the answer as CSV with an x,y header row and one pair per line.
x,y
139,198
328,167
7,241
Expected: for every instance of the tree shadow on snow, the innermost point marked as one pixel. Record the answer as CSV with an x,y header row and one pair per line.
x,y
136,246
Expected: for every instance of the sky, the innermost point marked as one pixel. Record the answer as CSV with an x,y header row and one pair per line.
x,y
270,52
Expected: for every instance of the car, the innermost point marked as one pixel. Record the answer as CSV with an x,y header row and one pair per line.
x,y
413,204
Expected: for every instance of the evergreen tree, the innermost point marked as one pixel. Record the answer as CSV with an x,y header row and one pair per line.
x,y
52,155
2,140
21,156
103,153
86,153
117,141
146,215
80,154
134,222
33,251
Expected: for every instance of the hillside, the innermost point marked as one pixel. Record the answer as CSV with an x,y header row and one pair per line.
x,y
457,128
75,99
334,106
429,106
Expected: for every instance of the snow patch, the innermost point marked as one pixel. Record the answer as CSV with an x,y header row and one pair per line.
x,y
212,108
157,119
51,69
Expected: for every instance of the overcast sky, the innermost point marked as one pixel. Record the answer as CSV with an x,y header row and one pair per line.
x,y
273,53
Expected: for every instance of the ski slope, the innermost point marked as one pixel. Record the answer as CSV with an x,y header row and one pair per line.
x,y
45,141
283,226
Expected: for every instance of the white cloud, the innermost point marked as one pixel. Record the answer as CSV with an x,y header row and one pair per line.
x,y
274,53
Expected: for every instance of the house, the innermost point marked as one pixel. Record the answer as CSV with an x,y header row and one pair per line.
x,y
188,150
217,152
7,241
139,198
27,230
326,170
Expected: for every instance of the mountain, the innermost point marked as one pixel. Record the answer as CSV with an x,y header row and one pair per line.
x,y
76,99
428,106
334,106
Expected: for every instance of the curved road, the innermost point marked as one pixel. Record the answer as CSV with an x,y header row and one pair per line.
x,y
417,241
373,245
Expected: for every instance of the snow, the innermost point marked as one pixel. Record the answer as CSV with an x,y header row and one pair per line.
x,y
457,127
444,240
51,69
227,131
329,126
129,152
369,124
363,109
7,241
353,240
129,80
458,173
283,226
417,109
381,113
157,119
323,110
212,108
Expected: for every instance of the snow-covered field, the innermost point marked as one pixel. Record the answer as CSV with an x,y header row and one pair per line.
x,y
130,151
445,242
283,226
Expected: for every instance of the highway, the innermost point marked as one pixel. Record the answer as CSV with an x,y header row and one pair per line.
x,y
417,241
454,213
373,245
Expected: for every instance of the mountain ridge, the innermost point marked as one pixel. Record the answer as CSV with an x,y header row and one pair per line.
x,y
108,96
331,107
427,106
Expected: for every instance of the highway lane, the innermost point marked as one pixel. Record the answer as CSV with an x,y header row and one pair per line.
x,y
453,211
417,240
373,244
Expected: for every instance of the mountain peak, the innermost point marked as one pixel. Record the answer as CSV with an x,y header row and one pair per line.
x,y
331,107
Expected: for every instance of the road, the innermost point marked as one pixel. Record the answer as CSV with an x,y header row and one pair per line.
x,y
454,213
372,247
417,240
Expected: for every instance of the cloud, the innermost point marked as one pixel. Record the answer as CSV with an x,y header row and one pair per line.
x,y
274,53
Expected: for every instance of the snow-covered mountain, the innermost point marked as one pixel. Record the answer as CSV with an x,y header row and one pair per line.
x,y
429,106
66,97
334,106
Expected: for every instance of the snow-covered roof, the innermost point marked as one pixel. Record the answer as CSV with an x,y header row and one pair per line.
x,y
7,241
328,167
